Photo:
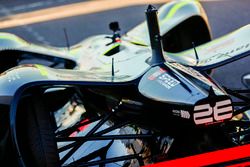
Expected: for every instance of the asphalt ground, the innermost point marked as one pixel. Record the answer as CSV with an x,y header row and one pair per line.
x,y
224,16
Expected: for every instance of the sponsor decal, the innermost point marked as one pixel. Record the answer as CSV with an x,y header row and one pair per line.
x,y
156,74
226,55
167,81
185,114
176,112
214,58
162,77
238,48
181,113
207,114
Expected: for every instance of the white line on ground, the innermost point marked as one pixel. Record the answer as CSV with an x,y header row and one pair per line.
x,y
70,10
27,28
36,5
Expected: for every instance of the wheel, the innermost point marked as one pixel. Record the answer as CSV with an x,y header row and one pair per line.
x,y
36,134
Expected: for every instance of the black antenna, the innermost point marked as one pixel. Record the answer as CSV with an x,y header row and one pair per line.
x,y
113,71
66,38
195,52
154,34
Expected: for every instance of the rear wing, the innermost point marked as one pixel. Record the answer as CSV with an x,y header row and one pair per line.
x,y
218,52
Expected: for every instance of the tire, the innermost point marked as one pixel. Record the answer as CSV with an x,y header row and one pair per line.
x,y
37,138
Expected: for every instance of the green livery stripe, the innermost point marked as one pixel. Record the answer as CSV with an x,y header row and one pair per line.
x,y
114,46
42,70
174,9
11,37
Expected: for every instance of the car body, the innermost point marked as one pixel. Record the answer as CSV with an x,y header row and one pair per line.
x,y
122,99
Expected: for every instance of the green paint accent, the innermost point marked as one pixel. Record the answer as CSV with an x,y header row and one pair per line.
x,y
137,40
73,52
11,37
114,46
42,70
174,9
138,43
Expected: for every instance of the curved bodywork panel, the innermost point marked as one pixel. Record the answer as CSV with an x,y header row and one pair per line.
x,y
168,87
14,49
12,42
16,77
218,52
95,55
170,16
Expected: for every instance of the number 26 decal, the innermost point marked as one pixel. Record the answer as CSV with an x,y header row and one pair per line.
x,y
206,114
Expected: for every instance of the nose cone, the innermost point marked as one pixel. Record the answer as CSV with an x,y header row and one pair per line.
x,y
197,99
161,84
167,85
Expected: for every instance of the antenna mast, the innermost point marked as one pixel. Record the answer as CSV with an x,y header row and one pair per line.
x,y
196,54
155,37
66,38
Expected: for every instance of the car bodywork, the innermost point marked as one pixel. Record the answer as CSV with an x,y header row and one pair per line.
x,y
127,80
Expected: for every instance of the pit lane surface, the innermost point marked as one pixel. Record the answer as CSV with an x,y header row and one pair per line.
x,y
224,16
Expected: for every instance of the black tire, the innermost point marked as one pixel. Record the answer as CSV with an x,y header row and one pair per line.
x,y
36,135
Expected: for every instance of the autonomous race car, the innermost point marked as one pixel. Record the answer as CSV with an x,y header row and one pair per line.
x,y
129,99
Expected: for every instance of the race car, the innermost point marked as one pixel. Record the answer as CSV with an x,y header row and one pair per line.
x,y
123,100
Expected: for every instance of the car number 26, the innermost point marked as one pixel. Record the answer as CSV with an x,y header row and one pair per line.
x,y
206,114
